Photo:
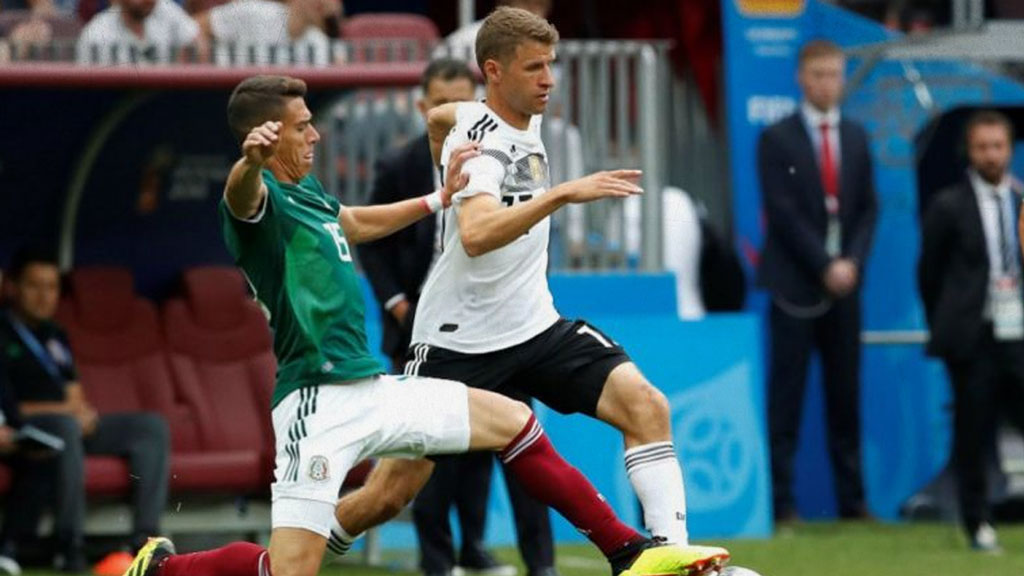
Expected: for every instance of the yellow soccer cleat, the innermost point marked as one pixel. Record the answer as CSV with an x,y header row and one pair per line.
x,y
149,557
673,560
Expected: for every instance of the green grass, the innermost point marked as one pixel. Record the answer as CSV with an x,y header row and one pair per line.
x,y
812,549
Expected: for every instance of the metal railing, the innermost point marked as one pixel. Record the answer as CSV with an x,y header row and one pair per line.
x,y
617,105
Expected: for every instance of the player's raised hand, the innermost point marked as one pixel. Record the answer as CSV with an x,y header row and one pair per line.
x,y
261,142
454,178
605,184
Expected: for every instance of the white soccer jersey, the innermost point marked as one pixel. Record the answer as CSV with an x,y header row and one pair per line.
x,y
501,298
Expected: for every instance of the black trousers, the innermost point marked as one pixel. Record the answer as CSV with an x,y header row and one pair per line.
x,y
836,336
986,386
31,491
143,439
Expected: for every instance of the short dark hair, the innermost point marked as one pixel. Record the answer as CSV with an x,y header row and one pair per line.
x,y
987,118
260,99
446,69
817,49
505,29
29,255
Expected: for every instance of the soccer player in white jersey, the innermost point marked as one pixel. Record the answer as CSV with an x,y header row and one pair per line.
x,y
486,315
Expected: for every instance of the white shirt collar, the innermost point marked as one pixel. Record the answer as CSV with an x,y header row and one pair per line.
x,y
981,185
816,118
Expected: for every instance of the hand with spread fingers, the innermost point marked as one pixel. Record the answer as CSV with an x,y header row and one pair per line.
x,y
605,184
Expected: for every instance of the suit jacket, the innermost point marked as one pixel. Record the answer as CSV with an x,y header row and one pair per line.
x,y
953,272
8,401
794,258
399,263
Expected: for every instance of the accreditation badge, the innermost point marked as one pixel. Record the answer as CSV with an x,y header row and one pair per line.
x,y
1007,309
833,237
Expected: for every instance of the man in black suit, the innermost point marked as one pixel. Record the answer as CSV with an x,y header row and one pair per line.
x,y
820,209
970,280
396,267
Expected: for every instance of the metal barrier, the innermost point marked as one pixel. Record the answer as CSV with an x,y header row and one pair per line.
x,y
617,105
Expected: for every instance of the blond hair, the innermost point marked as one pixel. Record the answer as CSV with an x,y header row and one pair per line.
x,y
505,29
818,49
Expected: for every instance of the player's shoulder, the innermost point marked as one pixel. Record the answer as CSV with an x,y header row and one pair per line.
x,y
475,121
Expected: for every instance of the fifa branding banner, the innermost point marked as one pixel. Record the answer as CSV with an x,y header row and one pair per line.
x,y
762,38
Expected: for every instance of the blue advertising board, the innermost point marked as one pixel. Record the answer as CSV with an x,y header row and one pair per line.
x,y
710,370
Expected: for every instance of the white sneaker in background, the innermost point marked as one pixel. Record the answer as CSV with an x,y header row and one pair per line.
x,y
9,566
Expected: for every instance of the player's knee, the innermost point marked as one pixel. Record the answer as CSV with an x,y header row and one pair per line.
x,y
649,413
519,415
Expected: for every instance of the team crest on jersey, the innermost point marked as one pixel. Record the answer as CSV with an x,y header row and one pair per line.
x,y
318,469
537,168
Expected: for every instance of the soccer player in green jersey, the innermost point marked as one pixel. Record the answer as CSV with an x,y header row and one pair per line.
x,y
332,404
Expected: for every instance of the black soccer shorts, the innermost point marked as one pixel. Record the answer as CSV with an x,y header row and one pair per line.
x,y
565,367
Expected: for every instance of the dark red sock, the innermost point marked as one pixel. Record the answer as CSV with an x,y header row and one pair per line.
x,y
235,559
540,470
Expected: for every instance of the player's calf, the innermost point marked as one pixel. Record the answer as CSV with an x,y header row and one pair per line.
x,y
158,558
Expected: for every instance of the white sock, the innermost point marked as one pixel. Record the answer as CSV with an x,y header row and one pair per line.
x,y
339,542
657,479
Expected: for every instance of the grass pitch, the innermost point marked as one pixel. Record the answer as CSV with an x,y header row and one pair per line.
x,y
810,549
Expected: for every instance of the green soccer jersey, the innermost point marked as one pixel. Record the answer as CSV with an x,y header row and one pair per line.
x,y
299,263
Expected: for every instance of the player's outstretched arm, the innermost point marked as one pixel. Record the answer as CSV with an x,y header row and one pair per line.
x,y
485,225
367,223
245,191
440,120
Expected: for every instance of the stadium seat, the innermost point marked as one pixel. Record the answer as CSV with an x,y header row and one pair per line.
x,y
382,37
122,361
5,479
223,364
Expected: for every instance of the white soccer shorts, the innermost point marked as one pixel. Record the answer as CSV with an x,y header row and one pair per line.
x,y
322,432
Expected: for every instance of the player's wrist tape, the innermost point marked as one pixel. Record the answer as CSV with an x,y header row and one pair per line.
x,y
432,202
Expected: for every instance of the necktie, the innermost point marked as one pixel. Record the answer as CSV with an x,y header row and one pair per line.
x,y
829,175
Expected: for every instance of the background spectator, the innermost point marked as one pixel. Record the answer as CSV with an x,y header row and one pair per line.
x,y
271,30
41,370
820,209
136,31
970,280
26,500
462,42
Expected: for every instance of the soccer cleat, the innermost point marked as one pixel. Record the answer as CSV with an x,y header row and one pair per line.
x,y
656,558
147,561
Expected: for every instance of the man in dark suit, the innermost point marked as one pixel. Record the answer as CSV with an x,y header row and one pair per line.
x,y
820,209
396,267
970,280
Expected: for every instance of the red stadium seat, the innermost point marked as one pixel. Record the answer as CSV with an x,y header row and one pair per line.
x,y
223,363
106,475
122,361
5,479
115,337
402,37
